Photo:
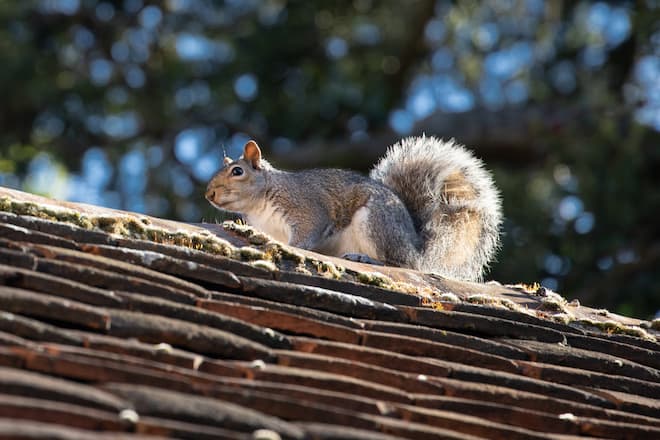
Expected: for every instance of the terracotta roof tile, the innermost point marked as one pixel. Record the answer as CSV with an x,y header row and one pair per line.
x,y
324,431
76,416
189,408
35,330
372,292
38,305
319,298
586,359
472,323
569,376
638,342
17,233
153,334
45,283
21,382
512,316
155,306
424,348
282,321
10,428
594,343
269,305
482,345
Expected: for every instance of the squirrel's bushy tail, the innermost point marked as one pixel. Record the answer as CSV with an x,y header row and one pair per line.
x,y
452,200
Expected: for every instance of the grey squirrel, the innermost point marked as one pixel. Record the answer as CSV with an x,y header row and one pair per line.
x,y
428,205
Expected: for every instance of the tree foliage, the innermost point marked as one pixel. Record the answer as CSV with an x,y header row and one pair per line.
x,y
130,103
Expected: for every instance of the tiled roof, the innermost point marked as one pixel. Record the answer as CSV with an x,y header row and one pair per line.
x,y
141,332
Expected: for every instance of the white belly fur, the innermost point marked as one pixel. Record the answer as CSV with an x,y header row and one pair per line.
x,y
351,240
271,221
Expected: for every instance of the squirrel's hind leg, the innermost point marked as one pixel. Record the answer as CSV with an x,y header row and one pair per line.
x,y
392,232
383,237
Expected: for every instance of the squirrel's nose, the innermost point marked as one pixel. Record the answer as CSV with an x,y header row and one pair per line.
x,y
210,194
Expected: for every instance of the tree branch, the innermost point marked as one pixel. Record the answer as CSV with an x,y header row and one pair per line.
x,y
506,135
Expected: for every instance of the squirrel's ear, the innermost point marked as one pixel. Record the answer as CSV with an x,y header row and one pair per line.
x,y
252,154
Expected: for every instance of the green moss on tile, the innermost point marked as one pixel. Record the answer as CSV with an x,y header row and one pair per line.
x,y
432,303
562,318
532,288
514,306
553,304
551,301
253,236
616,328
375,279
247,253
482,299
279,252
124,226
264,264
494,301
5,204
449,298
328,269
46,212
288,258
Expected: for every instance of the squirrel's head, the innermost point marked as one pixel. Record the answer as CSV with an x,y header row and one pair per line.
x,y
240,181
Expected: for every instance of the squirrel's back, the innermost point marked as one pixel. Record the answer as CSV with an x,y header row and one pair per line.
x,y
452,200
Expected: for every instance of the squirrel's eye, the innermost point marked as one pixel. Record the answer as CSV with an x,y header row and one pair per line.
x,y
237,171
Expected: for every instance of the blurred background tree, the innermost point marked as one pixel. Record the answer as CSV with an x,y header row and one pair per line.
x,y
130,103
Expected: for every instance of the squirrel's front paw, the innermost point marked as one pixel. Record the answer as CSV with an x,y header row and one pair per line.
x,y
361,258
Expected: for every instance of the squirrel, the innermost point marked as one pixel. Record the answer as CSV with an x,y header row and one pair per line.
x,y
428,205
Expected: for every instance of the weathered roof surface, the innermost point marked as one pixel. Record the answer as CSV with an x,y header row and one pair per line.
x,y
157,330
